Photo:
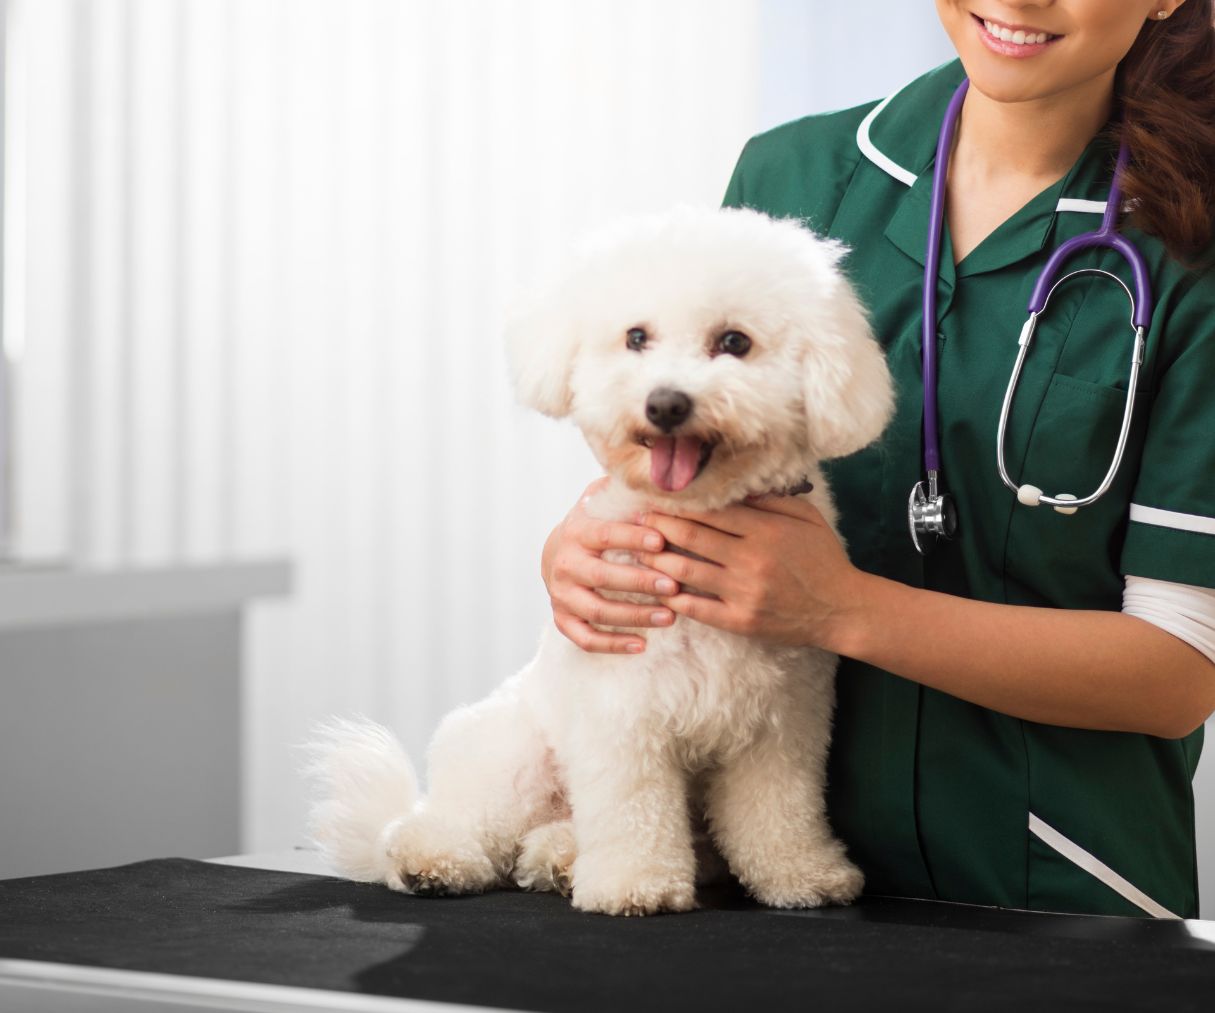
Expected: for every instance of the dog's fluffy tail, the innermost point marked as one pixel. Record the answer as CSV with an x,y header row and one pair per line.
x,y
362,781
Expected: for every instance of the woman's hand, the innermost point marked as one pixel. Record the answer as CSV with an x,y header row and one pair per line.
x,y
774,567
573,567
777,571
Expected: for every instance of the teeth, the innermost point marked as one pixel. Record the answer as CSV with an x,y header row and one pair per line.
x,y
1017,38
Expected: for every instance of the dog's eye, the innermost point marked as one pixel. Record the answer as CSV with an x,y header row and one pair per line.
x,y
635,339
733,343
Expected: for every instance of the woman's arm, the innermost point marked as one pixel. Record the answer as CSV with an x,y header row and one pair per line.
x,y
779,572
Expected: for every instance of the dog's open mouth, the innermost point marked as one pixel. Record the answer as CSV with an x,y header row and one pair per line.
x,y
676,460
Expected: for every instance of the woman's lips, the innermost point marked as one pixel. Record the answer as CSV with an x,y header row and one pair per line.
x,y
1003,39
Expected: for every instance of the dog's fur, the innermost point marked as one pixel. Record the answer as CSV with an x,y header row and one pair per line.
x,y
589,771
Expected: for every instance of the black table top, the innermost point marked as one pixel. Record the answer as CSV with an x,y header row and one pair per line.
x,y
533,951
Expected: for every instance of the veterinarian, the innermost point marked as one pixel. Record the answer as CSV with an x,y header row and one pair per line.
x,y
1020,710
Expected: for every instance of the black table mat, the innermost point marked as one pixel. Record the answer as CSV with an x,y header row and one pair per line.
x,y
532,951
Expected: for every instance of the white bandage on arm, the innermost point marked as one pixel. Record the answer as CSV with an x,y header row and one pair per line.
x,y
1184,610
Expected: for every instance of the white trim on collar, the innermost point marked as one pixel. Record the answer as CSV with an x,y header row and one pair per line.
x,y
1092,207
870,151
908,178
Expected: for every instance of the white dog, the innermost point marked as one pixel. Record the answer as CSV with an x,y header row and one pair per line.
x,y
706,356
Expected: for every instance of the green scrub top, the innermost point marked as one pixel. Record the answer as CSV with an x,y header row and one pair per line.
x,y
936,797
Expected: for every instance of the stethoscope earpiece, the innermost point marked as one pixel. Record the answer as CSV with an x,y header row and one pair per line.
x,y
1032,496
1029,495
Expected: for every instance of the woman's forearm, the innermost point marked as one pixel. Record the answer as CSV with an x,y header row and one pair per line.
x,y
775,569
1083,669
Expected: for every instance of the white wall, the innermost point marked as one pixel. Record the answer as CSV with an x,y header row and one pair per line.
x,y
819,56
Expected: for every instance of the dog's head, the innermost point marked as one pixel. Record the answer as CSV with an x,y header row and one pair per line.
x,y
705,355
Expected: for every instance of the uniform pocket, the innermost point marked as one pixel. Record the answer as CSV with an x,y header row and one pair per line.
x,y
1074,436
1073,559
1062,874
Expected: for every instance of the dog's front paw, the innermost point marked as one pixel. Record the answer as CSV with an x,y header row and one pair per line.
x,y
546,858
629,891
432,862
637,899
813,882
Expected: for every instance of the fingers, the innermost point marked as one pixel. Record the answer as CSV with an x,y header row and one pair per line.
x,y
693,535
731,520
587,606
710,611
594,572
700,574
574,571
599,536
596,641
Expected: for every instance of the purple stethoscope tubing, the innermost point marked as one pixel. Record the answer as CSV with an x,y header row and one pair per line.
x,y
932,270
1107,237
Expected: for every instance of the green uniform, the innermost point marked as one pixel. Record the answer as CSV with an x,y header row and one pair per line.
x,y
937,797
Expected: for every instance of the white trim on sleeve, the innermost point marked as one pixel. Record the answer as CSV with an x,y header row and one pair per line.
x,y
1172,519
1095,867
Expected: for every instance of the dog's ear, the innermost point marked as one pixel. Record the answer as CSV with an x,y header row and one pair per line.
x,y
541,343
847,386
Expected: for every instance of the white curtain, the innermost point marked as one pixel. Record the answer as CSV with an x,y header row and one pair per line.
x,y
257,255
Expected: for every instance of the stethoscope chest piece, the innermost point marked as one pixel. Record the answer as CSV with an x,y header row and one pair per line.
x,y
931,515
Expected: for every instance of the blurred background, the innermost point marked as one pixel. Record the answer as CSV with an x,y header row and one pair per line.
x,y
255,259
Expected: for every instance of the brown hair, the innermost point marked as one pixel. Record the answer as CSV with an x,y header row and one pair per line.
x,y
1166,91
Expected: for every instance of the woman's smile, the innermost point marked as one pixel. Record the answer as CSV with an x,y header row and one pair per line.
x,y
1013,40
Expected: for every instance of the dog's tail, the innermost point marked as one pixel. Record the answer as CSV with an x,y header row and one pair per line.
x,y
362,781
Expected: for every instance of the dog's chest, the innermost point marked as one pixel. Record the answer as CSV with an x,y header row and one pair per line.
x,y
701,693
711,691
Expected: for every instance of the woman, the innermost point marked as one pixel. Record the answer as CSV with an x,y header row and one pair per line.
x,y
1008,730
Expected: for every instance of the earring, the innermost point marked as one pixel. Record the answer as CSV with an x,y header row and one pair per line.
x,y
1161,15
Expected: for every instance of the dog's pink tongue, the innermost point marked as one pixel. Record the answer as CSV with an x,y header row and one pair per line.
x,y
674,461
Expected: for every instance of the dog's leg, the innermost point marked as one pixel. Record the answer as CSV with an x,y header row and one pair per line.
x,y
633,836
488,777
768,816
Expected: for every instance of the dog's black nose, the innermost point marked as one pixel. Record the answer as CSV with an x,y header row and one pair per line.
x,y
667,408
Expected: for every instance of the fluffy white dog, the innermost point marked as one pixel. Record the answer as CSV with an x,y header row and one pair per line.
x,y
706,356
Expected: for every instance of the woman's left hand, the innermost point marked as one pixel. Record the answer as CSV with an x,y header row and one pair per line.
x,y
774,567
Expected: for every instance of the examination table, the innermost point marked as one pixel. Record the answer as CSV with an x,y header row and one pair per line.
x,y
183,935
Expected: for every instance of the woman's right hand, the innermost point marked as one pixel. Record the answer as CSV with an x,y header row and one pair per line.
x,y
573,568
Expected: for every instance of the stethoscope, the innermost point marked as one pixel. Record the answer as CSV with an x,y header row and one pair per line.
x,y
931,513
